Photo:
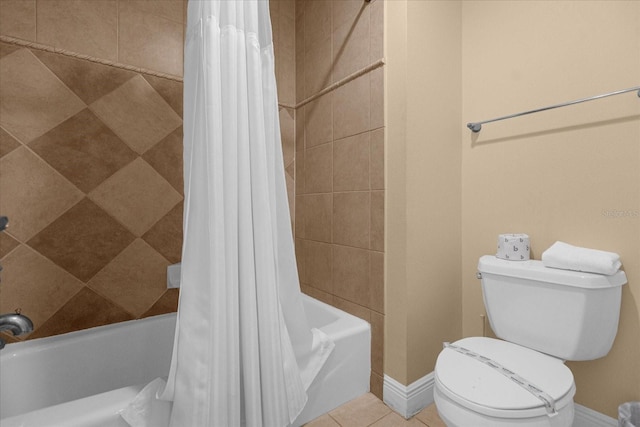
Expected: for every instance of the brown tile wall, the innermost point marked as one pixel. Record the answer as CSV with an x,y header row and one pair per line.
x,y
339,186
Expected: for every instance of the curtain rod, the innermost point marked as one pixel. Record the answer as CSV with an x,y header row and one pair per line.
x,y
477,126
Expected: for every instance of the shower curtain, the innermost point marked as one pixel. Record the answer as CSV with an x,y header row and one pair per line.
x,y
244,353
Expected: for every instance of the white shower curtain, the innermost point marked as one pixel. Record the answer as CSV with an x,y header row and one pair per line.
x,y
244,353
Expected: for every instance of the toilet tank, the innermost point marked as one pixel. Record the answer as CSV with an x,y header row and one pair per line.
x,y
571,315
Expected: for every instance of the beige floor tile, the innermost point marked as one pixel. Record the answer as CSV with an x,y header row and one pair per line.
x,y
395,420
323,421
430,417
360,412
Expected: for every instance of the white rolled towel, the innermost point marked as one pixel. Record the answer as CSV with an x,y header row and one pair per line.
x,y
567,257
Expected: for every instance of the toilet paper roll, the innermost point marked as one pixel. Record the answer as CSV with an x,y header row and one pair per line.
x,y
514,247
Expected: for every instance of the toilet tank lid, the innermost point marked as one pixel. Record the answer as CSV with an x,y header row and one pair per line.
x,y
535,270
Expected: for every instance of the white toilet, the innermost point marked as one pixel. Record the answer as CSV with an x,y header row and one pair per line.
x,y
544,316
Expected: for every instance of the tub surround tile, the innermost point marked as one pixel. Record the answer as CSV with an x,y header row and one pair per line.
x,y
377,221
317,210
89,80
167,303
6,49
288,135
41,197
18,19
166,235
166,158
148,40
299,247
137,114
351,107
318,294
377,98
169,90
7,143
352,308
318,128
376,383
376,17
137,196
299,222
86,309
351,160
351,274
82,240
317,22
168,9
134,279
351,44
318,265
376,168
376,284
317,71
351,219
318,169
377,342
79,26
83,150
348,12
34,284
32,99
7,244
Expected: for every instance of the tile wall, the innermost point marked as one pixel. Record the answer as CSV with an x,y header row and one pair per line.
x,y
339,186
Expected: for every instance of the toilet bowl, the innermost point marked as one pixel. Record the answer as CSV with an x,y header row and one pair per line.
x,y
470,393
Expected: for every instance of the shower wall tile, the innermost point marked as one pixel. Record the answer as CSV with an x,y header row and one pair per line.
x,y
166,235
33,193
88,80
24,111
149,41
351,163
34,284
86,309
351,120
351,218
54,152
134,279
87,27
166,158
18,18
137,114
317,217
137,196
351,107
82,240
83,150
318,169
287,130
318,261
317,121
7,143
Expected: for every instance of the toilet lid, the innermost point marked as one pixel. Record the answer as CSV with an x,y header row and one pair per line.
x,y
475,382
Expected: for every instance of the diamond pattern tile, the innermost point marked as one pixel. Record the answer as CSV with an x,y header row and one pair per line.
x,y
34,284
33,194
166,159
170,90
82,240
7,244
166,235
135,279
85,310
89,80
32,99
137,196
7,143
167,303
84,150
137,113
6,49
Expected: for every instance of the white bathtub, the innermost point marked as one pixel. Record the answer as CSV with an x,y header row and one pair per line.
x,y
85,378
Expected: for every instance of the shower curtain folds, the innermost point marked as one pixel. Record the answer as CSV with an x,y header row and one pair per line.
x,y
243,352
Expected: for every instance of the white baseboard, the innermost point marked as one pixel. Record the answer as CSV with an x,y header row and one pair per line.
x,y
409,400
586,417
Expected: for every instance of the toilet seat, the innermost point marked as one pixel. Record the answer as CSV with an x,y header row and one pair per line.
x,y
482,389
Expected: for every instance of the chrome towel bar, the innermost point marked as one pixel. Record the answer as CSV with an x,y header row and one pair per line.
x,y
477,126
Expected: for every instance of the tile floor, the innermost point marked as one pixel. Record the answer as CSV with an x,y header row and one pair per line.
x,y
369,411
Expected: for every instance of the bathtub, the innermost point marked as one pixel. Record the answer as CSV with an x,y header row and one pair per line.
x,y
85,378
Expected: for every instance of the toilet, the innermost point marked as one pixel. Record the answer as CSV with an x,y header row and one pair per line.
x,y
543,317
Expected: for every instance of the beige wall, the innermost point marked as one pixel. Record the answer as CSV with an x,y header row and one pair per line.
x,y
339,216
571,174
555,175
423,184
